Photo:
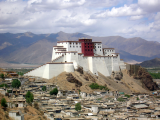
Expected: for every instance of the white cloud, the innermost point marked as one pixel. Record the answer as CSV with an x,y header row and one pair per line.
x,y
150,5
97,18
131,10
137,17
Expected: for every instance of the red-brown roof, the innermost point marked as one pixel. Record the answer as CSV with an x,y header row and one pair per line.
x,y
108,48
68,52
67,41
60,63
97,42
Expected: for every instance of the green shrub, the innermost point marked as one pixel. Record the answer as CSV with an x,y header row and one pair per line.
x,y
137,98
16,83
2,85
128,96
44,88
96,86
29,97
54,91
78,106
3,102
120,99
102,87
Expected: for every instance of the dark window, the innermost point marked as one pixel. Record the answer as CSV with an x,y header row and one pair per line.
x,y
88,49
100,49
88,46
70,46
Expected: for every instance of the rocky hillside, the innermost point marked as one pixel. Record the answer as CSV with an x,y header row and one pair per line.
x,y
81,81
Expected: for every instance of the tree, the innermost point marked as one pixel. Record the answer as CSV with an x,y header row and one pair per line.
x,y
2,76
44,88
16,83
78,106
54,91
29,97
3,102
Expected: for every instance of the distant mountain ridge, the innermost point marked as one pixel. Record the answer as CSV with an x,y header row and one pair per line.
x,y
37,48
151,63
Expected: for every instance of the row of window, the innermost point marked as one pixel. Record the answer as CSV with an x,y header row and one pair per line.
x,y
75,43
109,50
98,46
95,50
89,43
88,46
88,50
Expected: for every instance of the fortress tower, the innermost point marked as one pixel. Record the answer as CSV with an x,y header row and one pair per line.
x,y
68,55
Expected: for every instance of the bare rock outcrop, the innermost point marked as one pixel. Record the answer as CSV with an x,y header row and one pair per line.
x,y
117,75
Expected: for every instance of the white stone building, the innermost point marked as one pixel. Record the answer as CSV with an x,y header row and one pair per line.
x,y
68,55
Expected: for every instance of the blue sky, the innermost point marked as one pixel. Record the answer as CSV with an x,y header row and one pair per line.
x,y
126,18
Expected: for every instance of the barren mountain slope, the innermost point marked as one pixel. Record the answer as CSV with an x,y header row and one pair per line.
x,y
133,84
37,53
127,84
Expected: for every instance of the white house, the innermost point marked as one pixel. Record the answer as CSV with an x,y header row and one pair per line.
x,y
68,55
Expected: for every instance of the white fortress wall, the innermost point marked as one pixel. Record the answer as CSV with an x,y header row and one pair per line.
x,y
108,61
74,59
53,54
60,59
74,46
68,67
39,72
68,57
55,69
80,60
92,66
108,51
58,54
84,63
98,48
115,64
101,65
